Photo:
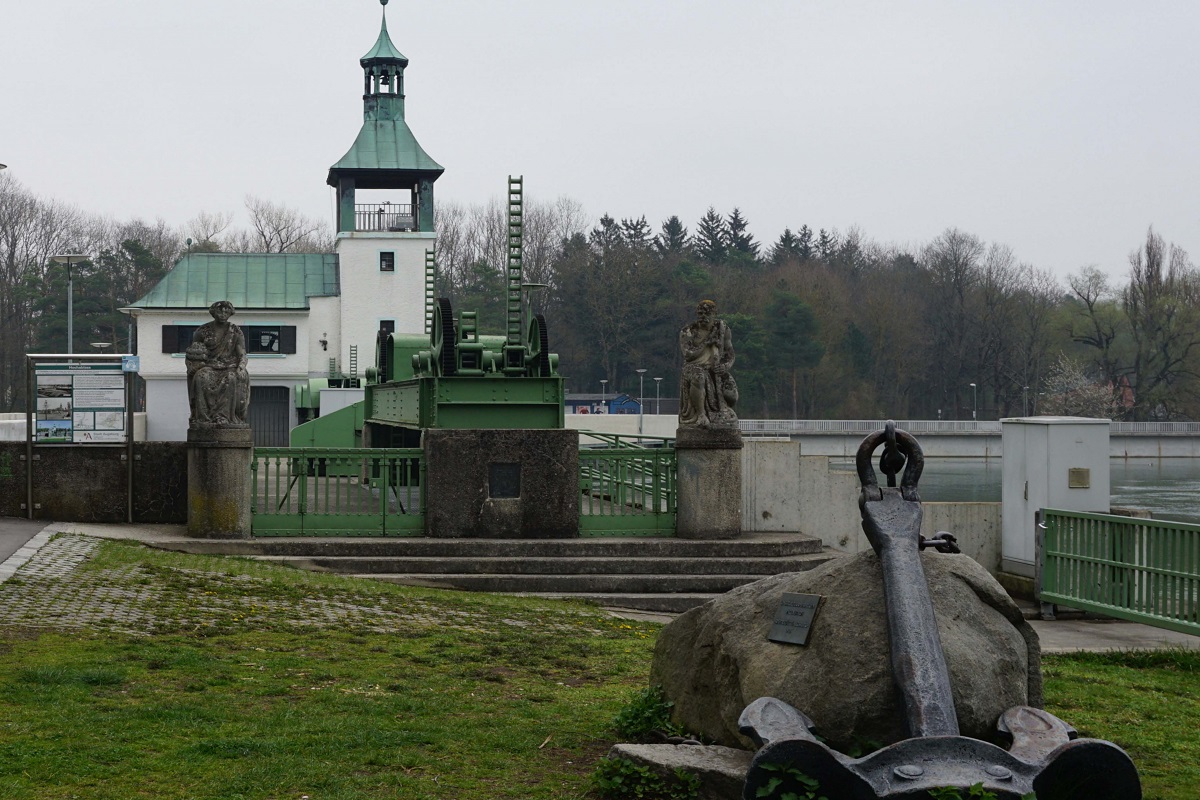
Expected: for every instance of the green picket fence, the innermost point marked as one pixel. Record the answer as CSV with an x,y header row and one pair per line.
x,y
1140,570
627,491
326,491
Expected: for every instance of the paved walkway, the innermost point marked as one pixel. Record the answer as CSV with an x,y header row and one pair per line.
x,y
55,582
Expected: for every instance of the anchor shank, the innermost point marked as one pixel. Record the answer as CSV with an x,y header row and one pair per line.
x,y
893,525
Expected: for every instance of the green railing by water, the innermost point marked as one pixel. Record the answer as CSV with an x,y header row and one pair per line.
x,y
325,491
628,490
1140,570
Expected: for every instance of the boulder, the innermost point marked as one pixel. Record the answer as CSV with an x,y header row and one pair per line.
x,y
715,660
722,770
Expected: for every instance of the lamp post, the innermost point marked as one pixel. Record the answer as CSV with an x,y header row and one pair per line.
x,y
67,258
1025,400
974,403
641,398
657,396
603,400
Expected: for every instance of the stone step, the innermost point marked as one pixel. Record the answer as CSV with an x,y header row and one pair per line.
x,y
575,584
543,565
673,603
763,545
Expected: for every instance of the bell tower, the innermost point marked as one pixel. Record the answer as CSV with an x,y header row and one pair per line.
x,y
385,155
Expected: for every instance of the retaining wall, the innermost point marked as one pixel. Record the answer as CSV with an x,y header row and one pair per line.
x,y
88,483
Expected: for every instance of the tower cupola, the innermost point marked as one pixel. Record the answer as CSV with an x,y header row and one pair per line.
x,y
386,154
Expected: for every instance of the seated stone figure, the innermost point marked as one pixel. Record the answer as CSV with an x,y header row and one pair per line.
x,y
218,383
707,392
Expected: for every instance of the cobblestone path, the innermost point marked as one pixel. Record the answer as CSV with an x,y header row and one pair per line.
x,y
72,583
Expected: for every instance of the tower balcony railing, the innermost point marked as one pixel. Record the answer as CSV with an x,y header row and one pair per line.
x,y
384,217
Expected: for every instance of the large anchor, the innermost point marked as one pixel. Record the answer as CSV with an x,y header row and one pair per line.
x,y
1045,756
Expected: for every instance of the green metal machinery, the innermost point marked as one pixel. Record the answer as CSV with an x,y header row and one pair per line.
x,y
453,376
457,377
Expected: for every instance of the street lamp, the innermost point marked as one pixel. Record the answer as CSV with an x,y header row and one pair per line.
x,y
1025,400
974,402
603,402
67,258
657,396
641,397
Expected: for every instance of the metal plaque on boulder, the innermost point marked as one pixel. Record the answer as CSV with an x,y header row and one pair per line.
x,y
794,618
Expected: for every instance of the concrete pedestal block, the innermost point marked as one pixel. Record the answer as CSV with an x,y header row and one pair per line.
x,y
708,483
502,484
219,482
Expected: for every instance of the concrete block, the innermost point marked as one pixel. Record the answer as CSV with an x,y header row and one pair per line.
x,y
708,483
502,484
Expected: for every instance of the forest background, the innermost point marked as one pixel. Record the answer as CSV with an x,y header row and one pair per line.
x,y
826,324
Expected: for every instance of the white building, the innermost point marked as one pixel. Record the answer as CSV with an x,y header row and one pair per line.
x,y
302,313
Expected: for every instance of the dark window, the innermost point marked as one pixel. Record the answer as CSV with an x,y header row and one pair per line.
x,y
262,338
387,325
259,338
176,338
387,262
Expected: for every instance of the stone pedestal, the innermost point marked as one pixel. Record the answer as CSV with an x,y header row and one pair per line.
x,y
708,485
219,482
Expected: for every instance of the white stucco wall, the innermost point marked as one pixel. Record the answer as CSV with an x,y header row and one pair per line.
x,y
165,373
369,295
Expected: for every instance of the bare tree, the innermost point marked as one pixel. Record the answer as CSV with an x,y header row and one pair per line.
x,y
279,229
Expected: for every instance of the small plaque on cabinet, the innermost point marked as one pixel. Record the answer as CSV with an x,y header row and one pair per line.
x,y
1079,478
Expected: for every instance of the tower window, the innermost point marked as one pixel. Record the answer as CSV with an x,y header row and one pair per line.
x,y
387,262
387,325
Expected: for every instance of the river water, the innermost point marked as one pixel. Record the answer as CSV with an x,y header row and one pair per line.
x,y
1169,488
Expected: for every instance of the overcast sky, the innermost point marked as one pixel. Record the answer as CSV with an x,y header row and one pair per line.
x,y
1061,129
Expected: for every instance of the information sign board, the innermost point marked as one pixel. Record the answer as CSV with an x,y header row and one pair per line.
x,y
80,403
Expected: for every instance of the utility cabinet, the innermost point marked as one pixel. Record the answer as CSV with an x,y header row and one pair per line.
x,y
1048,462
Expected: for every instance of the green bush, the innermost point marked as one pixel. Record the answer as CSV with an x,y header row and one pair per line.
x,y
648,711
621,779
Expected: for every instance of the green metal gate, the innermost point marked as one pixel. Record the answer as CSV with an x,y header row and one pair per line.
x,y
1142,570
325,491
627,490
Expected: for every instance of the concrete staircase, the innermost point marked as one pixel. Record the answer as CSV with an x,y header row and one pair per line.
x,y
651,574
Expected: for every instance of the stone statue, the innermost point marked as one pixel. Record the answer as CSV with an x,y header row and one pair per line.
x,y
218,383
707,392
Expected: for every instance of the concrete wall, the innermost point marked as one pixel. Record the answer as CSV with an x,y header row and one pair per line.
x,y
87,483
785,491
625,424
368,295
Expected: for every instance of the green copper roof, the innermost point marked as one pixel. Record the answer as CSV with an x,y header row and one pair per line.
x,y
383,50
248,280
386,144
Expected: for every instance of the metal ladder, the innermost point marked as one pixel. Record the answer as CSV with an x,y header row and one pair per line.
x,y
516,247
430,277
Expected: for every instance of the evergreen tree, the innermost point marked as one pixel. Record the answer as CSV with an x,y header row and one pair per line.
x,y
804,244
827,244
673,239
711,240
793,330
738,236
786,249
636,232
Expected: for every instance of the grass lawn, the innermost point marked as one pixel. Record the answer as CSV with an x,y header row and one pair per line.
x,y
228,678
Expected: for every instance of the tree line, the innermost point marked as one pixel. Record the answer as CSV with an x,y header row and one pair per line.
x,y
826,323
830,324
